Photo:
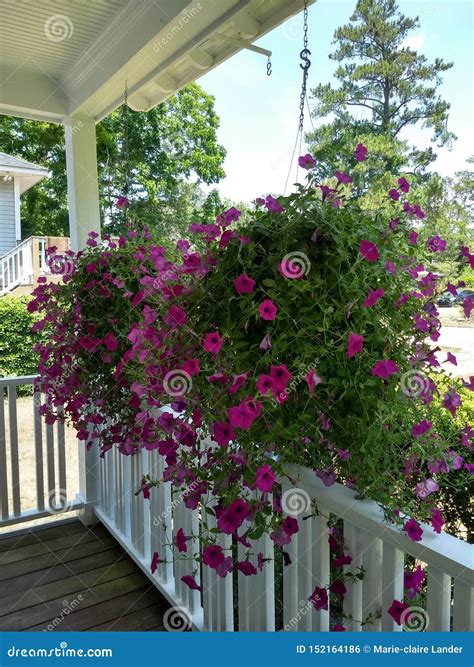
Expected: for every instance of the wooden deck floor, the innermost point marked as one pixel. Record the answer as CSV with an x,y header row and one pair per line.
x,y
69,577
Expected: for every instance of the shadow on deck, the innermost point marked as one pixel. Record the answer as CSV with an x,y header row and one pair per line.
x,y
69,577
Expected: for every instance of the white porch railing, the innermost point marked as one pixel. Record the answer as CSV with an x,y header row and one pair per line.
x,y
17,265
145,526
108,489
47,450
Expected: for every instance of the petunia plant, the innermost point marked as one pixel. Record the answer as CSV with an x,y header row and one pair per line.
x,y
305,337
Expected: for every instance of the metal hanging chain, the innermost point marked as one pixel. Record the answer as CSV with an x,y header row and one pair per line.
x,y
305,65
269,66
126,147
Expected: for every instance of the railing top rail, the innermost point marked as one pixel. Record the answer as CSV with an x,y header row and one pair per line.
x,y
16,381
446,552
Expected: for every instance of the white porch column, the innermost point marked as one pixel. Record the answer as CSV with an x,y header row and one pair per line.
x,y
82,183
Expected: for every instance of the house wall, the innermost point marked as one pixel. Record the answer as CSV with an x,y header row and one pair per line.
x,y
7,216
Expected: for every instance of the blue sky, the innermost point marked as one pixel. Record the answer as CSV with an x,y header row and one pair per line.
x,y
259,114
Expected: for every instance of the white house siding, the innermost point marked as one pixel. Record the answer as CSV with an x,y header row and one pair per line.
x,y
7,216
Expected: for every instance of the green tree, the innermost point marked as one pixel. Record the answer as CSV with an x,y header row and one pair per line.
x,y
147,156
383,88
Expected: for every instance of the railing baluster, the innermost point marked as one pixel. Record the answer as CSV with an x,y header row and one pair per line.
x,y
61,438
111,483
119,513
463,613
38,426
15,467
439,600
291,600
372,582
320,565
136,505
353,598
392,584
4,511
160,520
51,466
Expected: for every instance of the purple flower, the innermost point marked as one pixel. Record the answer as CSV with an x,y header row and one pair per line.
x,y
265,343
342,178
451,401
319,598
306,161
436,244
425,488
327,476
413,238
396,610
373,297
404,185
384,368
394,194
360,153
273,205
437,520
354,344
369,251
421,428
413,529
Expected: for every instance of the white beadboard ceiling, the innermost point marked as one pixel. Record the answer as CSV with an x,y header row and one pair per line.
x,y
64,57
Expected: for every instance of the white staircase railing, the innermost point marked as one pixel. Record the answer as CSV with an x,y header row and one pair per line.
x,y
17,266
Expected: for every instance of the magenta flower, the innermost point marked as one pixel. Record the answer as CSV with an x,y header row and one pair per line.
x,y
246,568
369,251
413,238
110,342
354,344
281,377
175,317
243,415
413,581
338,588
396,610
413,529
225,567
213,556
391,268
452,401
327,476
373,297
222,433
451,359
436,244
319,598
339,561
190,581
191,366
268,310
238,381
213,342
273,205
155,561
306,161
265,343
394,194
229,520
468,306
290,525
338,628
244,284
360,153
122,203
181,541
384,368
264,384
421,428
313,380
404,185
265,478
437,520
342,178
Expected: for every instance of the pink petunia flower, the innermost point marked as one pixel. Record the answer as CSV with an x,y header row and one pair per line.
x,y
155,561
213,342
413,529
413,238
265,478
384,368
413,581
244,284
421,428
339,561
360,153
319,598
273,205
452,401
264,384
369,251
342,178
213,556
238,382
436,244
373,297
222,433
404,185
246,568
268,310
181,541
191,582
313,380
354,344
394,194
231,518
306,161
281,377
396,610
243,415
437,520
265,343
425,488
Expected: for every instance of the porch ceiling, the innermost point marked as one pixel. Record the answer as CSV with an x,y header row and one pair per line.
x,y
61,57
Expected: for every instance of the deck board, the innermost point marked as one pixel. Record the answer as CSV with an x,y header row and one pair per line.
x,y
70,577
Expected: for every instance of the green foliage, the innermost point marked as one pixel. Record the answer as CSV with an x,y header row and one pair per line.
x,y
16,338
384,88
147,156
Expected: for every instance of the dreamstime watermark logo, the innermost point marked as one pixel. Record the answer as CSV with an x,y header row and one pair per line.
x,y
304,608
60,265
68,608
182,21
57,501
415,619
295,265
295,502
166,513
177,619
59,27
177,383
414,383
293,29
